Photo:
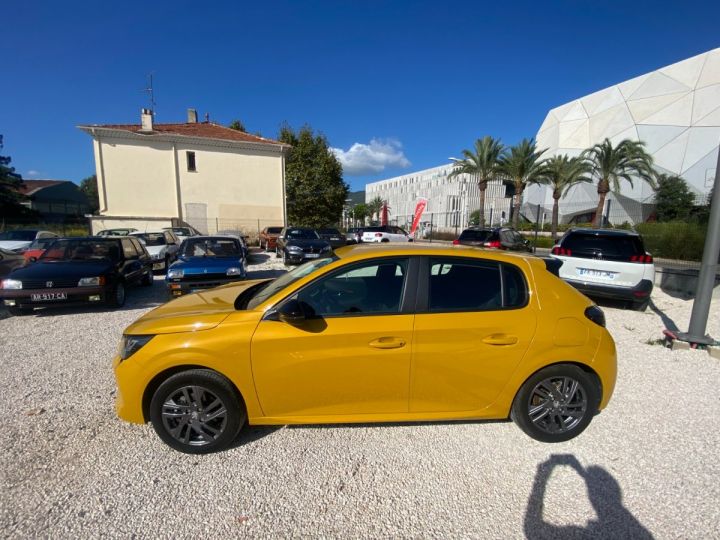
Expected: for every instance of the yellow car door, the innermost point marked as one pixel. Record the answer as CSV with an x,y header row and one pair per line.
x,y
474,323
349,351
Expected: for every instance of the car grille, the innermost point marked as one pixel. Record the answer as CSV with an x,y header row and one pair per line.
x,y
202,277
311,250
43,283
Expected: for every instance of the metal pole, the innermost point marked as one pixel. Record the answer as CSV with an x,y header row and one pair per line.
x,y
537,224
706,279
431,227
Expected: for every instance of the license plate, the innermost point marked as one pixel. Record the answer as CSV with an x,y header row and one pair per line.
x,y
312,255
602,274
44,297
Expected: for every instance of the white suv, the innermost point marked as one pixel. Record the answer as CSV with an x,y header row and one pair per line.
x,y
607,263
385,233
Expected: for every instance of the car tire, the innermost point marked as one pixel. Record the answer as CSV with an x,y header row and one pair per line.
x,y
284,258
117,295
147,279
543,409
385,240
178,416
277,253
17,311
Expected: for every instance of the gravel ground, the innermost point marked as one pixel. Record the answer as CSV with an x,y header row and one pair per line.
x,y
648,465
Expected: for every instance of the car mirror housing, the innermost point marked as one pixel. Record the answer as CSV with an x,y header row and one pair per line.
x,y
291,312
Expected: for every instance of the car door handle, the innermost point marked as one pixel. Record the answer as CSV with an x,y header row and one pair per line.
x,y
387,343
500,339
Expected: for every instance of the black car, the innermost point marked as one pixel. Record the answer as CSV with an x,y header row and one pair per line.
x,y
495,237
298,244
73,271
334,237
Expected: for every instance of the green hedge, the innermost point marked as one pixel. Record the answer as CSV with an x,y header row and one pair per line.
x,y
674,240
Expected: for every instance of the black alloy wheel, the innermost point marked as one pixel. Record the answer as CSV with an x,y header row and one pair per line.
x,y
197,412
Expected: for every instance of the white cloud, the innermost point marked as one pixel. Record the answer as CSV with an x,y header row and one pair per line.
x,y
32,172
371,158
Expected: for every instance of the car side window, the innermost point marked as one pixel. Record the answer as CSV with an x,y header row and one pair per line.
x,y
138,246
369,288
129,250
471,285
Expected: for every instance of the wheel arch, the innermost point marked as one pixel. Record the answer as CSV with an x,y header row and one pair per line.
x,y
161,377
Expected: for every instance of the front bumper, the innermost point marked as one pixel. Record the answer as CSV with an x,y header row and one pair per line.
x,y
638,293
74,296
178,288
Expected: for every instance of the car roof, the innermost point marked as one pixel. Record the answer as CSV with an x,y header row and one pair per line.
x,y
209,236
607,232
367,251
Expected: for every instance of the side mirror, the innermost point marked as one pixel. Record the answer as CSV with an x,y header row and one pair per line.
x,y
291,312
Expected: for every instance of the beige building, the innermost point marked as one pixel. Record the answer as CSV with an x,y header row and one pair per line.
x,y
199,173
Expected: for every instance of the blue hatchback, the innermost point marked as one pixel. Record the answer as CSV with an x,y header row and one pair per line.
x,y
205,262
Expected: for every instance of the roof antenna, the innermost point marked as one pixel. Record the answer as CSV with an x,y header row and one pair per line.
x,y
207,117
150,92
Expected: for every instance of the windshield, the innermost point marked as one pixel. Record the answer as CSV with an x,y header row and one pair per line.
x,y
182,231
152,239
287,279
85,249
211,247
329,232
18,235
302,234
41,243
471,235
274,230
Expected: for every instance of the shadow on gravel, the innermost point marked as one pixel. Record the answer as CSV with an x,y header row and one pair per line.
x,y
258,257
605,495
667,321
395,424
251,434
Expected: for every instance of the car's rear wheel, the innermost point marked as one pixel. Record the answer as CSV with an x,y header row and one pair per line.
x,y
556,403
197,411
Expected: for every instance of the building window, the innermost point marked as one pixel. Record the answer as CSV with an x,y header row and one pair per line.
x,y
191,161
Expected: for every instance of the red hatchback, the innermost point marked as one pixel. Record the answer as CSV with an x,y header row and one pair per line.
x,y
268,238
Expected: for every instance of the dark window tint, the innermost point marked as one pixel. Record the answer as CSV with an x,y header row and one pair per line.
x,y
191,161
274,230
376,229
514,286
368,288
129,249
475,236
617,247
301,234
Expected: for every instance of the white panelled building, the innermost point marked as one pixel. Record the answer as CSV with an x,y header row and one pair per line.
x,y
450,200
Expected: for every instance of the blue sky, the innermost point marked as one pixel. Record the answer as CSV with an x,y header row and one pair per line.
x,y
395,86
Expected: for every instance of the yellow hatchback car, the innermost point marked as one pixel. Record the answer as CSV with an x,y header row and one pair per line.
x,y
374,334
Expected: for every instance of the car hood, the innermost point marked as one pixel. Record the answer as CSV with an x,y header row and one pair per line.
x,y
204,265
193,312
62,270
309,243
14,244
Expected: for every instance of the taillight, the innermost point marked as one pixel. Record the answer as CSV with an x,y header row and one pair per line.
x,y
561,251
456,242
644,259
596,315
494,244
377,234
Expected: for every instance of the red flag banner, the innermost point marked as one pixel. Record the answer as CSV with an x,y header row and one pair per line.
x,y
419,209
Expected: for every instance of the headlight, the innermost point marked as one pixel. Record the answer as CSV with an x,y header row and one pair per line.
x,y
129,345
294,248
175,274
11,284
91,281
234,271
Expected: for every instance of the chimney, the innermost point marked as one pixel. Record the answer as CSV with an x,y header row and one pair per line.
x,y
192,116
146,120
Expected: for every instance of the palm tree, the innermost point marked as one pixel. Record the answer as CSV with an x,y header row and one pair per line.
x,y
374,207
610,164
522,166
483,164
561,173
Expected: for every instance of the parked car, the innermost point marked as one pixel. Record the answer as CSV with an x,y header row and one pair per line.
x,y
182,232
9,261
330,341
240,236
19,240
353,235
495,238
37,248
385,233
162,246
333,237
78,271
125,231
607,263
268,238
298,244
205,262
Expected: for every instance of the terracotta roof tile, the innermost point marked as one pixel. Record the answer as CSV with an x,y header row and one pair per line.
x,y
31,186
200,129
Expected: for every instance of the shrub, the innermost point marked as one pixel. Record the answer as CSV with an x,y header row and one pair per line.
x,y
674,239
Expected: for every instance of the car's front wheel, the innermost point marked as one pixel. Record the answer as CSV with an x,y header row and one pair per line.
x,y
556,403
197,411
147,279
116,297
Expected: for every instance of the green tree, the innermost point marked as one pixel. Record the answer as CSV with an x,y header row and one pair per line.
x,y
315,189
10,185
89,187
522,166
237,125
673,198
560,173
374,207
360,212
610,164
483,164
